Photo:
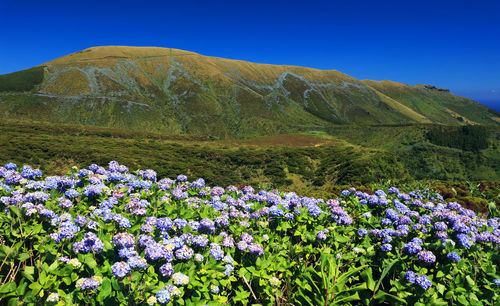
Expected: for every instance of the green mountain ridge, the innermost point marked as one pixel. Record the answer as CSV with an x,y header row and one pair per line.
x,y
180,92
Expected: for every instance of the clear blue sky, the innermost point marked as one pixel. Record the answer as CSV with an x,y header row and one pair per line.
x,y
449,44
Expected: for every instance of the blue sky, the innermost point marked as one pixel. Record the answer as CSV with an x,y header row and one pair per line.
x,y
449,44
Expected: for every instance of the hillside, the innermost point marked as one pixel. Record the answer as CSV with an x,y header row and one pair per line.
x,y
180,92
303,162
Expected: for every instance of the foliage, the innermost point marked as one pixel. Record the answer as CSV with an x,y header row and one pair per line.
x,y
24,80
298,161
108,236
467,138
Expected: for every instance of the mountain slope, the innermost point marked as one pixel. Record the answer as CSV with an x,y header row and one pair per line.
x,y
181,92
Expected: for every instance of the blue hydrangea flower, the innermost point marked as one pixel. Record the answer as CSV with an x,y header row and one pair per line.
x,y
453,256
125,240
120,269
423,281
10,166
321,235
167,270
386,247
412,248
426,256
440,226
410,276
216,251
90,243
163,296
229,269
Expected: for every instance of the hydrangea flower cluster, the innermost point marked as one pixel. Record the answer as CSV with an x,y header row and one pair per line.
x,y
165,225
417,220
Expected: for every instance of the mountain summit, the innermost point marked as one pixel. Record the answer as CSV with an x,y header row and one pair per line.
x,y
181,92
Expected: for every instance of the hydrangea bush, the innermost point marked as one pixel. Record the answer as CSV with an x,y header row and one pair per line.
x,y
110,236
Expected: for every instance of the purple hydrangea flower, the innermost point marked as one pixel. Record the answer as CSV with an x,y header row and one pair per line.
x,y
217,191
125,240
184,253
167,270
137,262
362,232
453,256
321,235
412,248
423,281
216,251
120,269
386,247
255,248
410,276
228,242
426,256
242,246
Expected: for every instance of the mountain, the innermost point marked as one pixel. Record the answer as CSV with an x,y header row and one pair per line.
x,y
180,92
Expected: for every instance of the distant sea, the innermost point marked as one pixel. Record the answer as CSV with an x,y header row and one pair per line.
x,y
493,104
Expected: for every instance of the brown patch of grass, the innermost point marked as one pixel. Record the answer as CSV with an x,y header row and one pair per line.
x,y
284,140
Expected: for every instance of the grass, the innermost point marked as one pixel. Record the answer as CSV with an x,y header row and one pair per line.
x,y
311,163
179,92
24,80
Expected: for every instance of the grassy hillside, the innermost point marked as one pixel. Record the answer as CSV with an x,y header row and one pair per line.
x,y
311,163
179,92
24,80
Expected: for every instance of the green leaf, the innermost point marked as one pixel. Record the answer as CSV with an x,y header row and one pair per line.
x,y
462,300
15,210
449,295
367,275
21,288
67,280
8,287
23,256
384,273
241,295
28,272
353,297
105,290
42,278
53,266
36,287
115,284
440,288
381,295
470,281
90,261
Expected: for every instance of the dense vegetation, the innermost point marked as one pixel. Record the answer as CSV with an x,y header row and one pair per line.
x,y
301,162
104,235
467,138
24,80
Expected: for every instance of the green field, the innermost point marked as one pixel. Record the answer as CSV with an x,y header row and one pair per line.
x,y
311,163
